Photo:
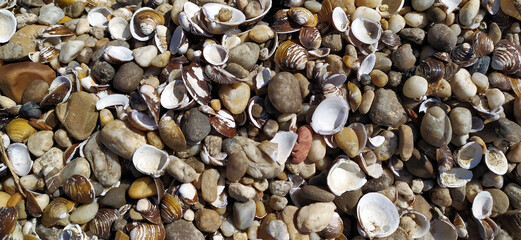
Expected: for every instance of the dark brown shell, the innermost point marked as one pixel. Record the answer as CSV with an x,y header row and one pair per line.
x,y
8,217
431,69
463,55
100,225
500,81
224,123
148,231
516,85
443,56
55,96
334,229
501,19
291,56
79,189
444,158
283,23
196,83
219,75
57,209
506,57
149,211
390,39
310,37
31,205
450,70
171,208
482,44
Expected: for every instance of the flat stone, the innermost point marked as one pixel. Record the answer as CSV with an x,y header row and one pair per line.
x,y
508,130
78,115
105,164
243,214
284,93
23,42
317,194
120,139
15,77
182,230
386,110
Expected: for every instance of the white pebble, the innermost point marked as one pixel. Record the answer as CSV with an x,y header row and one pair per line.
x,y
144,55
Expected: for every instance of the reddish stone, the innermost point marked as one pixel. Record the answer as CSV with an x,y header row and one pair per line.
x,y
15,77
301,149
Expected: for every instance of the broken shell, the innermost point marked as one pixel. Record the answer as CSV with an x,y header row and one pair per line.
x,y
149,211
6,4
218,160
345,175
482,44
330,116
340,20
20,158
113,100
421,224
215,54
377,215
444,158
455,177
188,193
178,42
265,6
8,215
263,116
488,229
506,57
72,231
303,17
461,226
310,37
387,8
118,54
152,99
496,161
98,16
144,22
291,56
469,156
79,189
150,161
368,161
224,123
119,29
196,83
59,91
57,31
175,95
219,75
366,30
366,66
390,39
482,205
160,38
450,5
147,231
19,130
212,20
285,142
186,19
171,209
431,69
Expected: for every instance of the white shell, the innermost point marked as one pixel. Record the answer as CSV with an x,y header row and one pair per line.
x,y
266,6
366,30
423,223
377,215
340,20
218,160
73,232
286,141
118,54
187,192
186,19
454,178
142,121
496,161
20,158
97,16
366,66
6,4
137,33
393,7
222,199
160,38
210,13
492,6
150,160
442,229
175,95
119,28
215,54
178,42
345,175
330,116
90,85
7,25
371,166
262,78
113,100
482,205
469,156
450,5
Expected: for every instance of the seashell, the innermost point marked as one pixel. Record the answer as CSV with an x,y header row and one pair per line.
x,y
7,25
222,196
47,54
291,56
303,17
219,75
511,222
144,22
377,215
516,85
387,8
57,31
488,229
422,225
196,83
119,29
56,210
171,133
500,81
215,54
266,6
149,211
224,123
79,189
283,23
506,57
310,37
482,205
59,91
496,161
285,142
147,231
461,226
354,96
102,222
366,66
175,95
482,44
330,116
463,55
367,160
469,156
366,30
188,193
171,208
141,121
340,20
443,229
6,4
390,39
20,159
35,202
186,19
73,232
217,23
118,54
113,100
334,229
450,5
257,121
150,161
444,158
8,215
431,69
455,177
19,130
178,42
98,16
345,175
152,99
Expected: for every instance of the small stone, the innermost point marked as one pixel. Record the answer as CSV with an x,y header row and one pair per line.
x,y
35,91
280,187
468,12
278,230
207,220
347,201
6,102
241,192
270,128
142,188
261,33
243,214
30,110
303,145
182,230
196,126
441,37
114,198
74,10
317,151
513,191
500,202
52,158
419,165
61,138
180,170
84,213
436,15
245,54
508,130
333,42
347,141
317,194
70,50
284,93
315,217
253,9
78,166
103,72
50,14
386,110
78,115
161,60
403,58
82,27
237,70
127,77
209,180
416,19
278,203
15,77
40,142
120,139
415,35
440,196
144,55
235,97
105,164
313,6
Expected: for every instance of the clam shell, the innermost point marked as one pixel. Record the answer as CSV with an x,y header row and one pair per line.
x,y
149,211
57,31
218,160
266,6
450,5
431,69
119,29
215,54
366,30
488,229
455,177
283,23
186,19
506,57
345,175
188,193
79,189
212,21
367,160
171,208
258,122
160,38
144,22
175,95
150,161
196,83
340,20
19,130
219,75
152,99
8,215
463,55
366,66
113,100
461,226
334,229
330,116
224,123
7,25
302,16
147,231
422,222
390,39
469,156
118,54
387,8
500,81
98,16
482,44
286,141
496,161
291,56
482,205
20,158
443,229
73,232
59,91
178,42
377,215
56,210
310,37
102,222
141,121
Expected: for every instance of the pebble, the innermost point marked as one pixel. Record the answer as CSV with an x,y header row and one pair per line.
x,y
317,151
235,97
30,110
396,23
103,72
180,170
303,145
78,166
508,130
227,227
314,217
235,166
419,165
82,26
40,142
468,12
261,33
415,35
142,188
144,55
421,5
241,192
313,6
84,213
245,54
105,164
15,77
243,214
278,230
441,37
436,15
196,126
74,10
284,93
403,58
50,14
209,180
386,110
114,198
435,127
61,138
70,50
440,196
207,220
52,158
120,139
317,194
182,230
500,202
278,203
513,191
416,19
78,115
35,91
347,201
127,77
237,70
332,41
6,102
280,187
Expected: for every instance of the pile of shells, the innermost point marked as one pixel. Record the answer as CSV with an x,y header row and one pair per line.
x,y
260,119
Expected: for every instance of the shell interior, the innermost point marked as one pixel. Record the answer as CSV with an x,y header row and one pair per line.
x,y
211,12
450,5
118,54
142,121
366,30
454,178
496,161
266,6
119,28
178,42
377,215
442,229
469,156
286,141
422,222
59,91
113,100
215,54
367,65
175,95
150,161
340,20
345,175
482,205
20,158
387,8
97,16
330,116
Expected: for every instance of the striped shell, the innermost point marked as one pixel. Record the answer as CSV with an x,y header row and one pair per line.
x,y
149,211
390,39
148,231
500,81
79,189
8,217
431,69
310,37
100,225
170,208
196,83
482,44
291,56
506,57
19,130
303,16
463,55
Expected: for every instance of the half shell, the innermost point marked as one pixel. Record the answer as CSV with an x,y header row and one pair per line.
x,y
377,215
150,161
387,8
113,100
482,205
423,224
98,16
59,91
196,83
366,30
119,29
175,95
20,158
366,66
443,229
266,6
345,175
178,42
215,54
144,22
118,54
469,156
340,20
455,177
330,116
214,22
496,161
286,141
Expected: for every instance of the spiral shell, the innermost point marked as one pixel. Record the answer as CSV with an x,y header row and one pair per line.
x,y
506,57
482,44
431,69
144,22
463,55
500,81
19,130
310,37
148,231
8,217
303,17
79,189
291,56
171,209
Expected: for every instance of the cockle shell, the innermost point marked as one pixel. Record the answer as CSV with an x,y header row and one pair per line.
x,y
303,17
291,55
482,205
345,175
220,75
79,189
149,211
482,44
178,42
387,8
191,12
196,83
160,38
506,57
59,91
150,160
144,22
283,23
390,39
6,4
496,161
330,116
310,37
366,30
463,55
98,16
141,120
147,231
102,222
469,156
488,229
215,54
461,226
20,158
171,208
188,193
211,18
7,25
224,123
377,215
19,130
119,29
175,95
431,69
500,81
118,54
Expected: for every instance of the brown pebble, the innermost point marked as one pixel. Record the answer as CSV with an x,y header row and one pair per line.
x,y
35,91
207,220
